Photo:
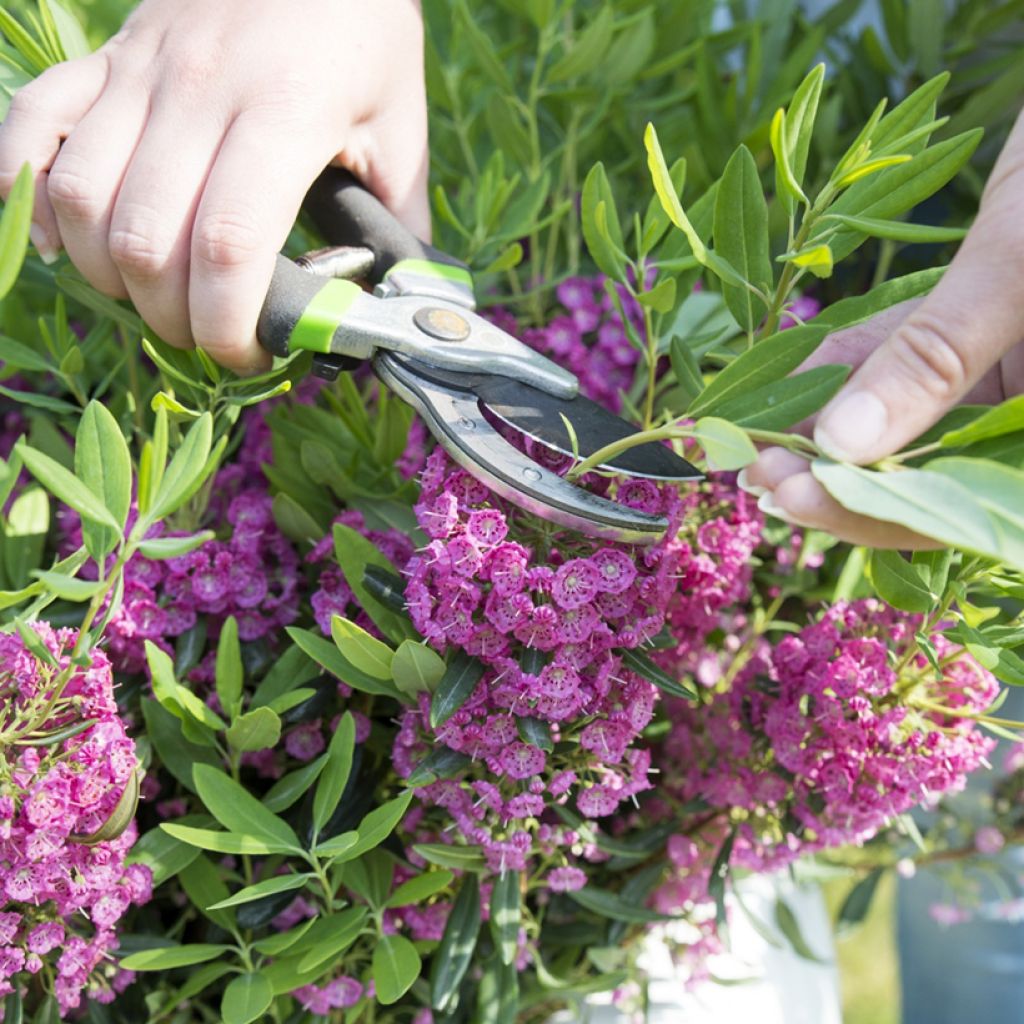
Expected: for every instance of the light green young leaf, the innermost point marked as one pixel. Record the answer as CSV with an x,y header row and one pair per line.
x,y
335,775
727,447
246,999
785,178
15,222
461,858
159,548
73,41
186,472
396,965
366,652
258,729
327,655
228,672
741,237
66,486
416,668
667,195
600,223
377,826
420,888
797,128
164,855
269,887
69,588
1004,418
166,958
104,465
238,811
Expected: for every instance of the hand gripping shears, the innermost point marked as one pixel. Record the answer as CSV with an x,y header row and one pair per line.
x,y
420,333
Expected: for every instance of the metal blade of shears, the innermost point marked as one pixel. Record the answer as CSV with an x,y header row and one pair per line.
x,y
455,418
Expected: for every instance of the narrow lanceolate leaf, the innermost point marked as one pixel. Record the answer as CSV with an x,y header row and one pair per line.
x,y
102,460
452,959
276,884
159,548
66,486
1005,418
331,936
858,901
221,842
441,763
769,360
186,471
69,588
166,958
15,223
455,688
291,787
642,665
787,923
685,366
783,403
667,194
366,652
396,965
602,234
461,858
505,915
377,826
238,811
420,888
334,777
246,999
898,230
612,905
786,180
741,237
228,672
797,129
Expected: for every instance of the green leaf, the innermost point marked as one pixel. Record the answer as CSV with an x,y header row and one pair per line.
x,y
34,642
441,763
15,223
781,404
935,505
294,785
420,888
163,854
858,902
203,885
899,583
269,887
898,230
687,370
788,924
452,959
338,845
367,653
327,655
159,548
506,915
461,858
246,998
482,49
665,189
769,360
642,665
13,1009
719,878
221,842
330,936
166,958
588,50
68,587
535,731
1004,418
185,473
796,131
177,754
741,237
335,775
396,965
238,811
15,355
601,231
416,668
67,487
377,826
103,464
611,905
258,729
228,671
786,182
456,687
726,446
858,308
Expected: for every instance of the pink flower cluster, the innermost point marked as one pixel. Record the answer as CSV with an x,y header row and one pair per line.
x,y
819,742
339,994
64,892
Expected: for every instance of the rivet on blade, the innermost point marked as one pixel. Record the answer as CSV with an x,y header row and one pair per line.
x,y
442,324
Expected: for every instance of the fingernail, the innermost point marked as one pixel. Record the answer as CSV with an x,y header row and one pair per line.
x,y
47,253
851,430
766,503
744,484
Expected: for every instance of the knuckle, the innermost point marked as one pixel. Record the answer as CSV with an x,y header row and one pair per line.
x,y
226,240
932,361
290,102
136,252
73,194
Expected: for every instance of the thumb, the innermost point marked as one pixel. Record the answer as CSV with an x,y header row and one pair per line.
x,y
948,342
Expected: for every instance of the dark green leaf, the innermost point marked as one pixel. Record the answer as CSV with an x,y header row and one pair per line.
x,y
858,901
377,826
456,687
461,858
294,785
536,732
614,907
164,855
787,923
506,915
783,403
335,775
642,665
440,763
452,959
687,370
229,671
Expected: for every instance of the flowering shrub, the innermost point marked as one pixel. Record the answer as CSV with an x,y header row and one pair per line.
x,y
405,751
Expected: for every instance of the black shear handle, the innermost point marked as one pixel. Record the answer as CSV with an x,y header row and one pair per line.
x,y
346,214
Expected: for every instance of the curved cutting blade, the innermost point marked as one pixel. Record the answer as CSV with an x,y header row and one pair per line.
x,y
454,417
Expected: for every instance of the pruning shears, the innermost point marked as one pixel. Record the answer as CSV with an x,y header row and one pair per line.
x,y
420,333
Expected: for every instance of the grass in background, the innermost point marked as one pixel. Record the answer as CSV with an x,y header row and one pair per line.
x,y
868,961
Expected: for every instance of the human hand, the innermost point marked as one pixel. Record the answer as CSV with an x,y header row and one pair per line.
x,y
171,163
913,363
